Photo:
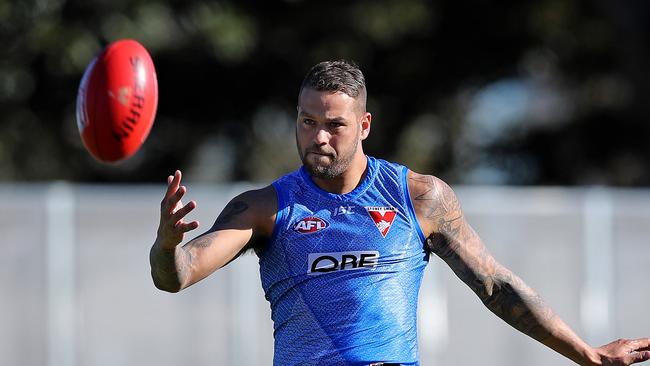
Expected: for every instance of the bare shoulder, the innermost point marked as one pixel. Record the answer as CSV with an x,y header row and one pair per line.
x,y
254,209
434,201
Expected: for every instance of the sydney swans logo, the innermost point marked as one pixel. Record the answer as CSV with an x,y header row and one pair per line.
x,y
383,218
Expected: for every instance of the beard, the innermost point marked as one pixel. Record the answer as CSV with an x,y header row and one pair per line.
x,y
316,165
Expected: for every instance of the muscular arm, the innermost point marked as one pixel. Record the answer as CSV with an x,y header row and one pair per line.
x,y
245,218
451,238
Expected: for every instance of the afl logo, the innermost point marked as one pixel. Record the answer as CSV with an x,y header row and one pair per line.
x,y
310,225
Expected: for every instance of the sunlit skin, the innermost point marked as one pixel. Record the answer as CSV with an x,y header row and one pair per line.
x,y
329,131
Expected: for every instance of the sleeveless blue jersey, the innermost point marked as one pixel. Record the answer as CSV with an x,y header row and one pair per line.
x,y
342,272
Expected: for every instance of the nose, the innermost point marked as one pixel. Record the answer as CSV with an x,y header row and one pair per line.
x,y
322,137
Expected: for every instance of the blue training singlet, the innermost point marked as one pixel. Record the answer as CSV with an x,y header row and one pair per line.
x,y
342,272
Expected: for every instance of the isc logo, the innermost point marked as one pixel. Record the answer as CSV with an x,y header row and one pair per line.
x,y
330,262
310,224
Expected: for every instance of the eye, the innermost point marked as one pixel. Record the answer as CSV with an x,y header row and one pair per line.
x,y
335,124
309,122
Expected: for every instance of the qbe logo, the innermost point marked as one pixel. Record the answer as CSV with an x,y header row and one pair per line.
x,y
341,261
310,225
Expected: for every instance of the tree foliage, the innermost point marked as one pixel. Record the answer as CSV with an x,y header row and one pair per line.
x,y
538,92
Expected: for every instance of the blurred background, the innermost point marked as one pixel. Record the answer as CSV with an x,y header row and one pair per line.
x,y
537,92
536,112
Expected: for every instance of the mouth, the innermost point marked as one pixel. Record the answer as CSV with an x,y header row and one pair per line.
x,y
319,153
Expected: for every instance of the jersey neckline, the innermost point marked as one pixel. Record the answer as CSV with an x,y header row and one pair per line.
x,y
367,181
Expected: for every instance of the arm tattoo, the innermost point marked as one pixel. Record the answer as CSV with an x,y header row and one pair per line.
x,y
171,269
510,299
201,242
440,205
454,241
225,218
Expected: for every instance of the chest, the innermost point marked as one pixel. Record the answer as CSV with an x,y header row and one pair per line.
x,y
346,228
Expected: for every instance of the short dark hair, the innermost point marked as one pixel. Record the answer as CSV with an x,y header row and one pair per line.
x,y
336,76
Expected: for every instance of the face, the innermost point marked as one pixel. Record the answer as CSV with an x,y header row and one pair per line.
x,y
329,129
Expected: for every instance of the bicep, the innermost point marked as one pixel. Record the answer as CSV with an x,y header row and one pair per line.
x,y
455,241
448,233
241,219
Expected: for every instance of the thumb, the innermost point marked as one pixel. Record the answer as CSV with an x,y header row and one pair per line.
x,y
636,357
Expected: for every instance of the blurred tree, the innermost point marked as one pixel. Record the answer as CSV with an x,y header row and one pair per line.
x,y
541,92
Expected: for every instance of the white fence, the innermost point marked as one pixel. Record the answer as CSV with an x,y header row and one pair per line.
x,y
75,287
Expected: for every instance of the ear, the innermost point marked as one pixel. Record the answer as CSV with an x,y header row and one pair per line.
x,y
365,125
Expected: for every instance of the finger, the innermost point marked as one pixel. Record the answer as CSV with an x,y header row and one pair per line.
x,y
636,357
169,191
180,192
176,197
170,204
183,211
641,343
186,226
173,185
170,187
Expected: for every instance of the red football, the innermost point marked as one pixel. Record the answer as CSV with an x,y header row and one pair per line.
x,y
117,101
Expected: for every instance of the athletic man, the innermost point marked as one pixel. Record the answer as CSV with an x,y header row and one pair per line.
x,y
342,243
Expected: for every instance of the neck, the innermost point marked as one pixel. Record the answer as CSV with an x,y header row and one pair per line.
x,y
348,180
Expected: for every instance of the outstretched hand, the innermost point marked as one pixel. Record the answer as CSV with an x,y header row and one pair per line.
x,y
172,227
625,352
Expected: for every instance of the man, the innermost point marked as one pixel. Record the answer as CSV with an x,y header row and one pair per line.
x,y
344,241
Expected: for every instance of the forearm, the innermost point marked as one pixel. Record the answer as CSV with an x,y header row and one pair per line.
x,y
453,240
170,268
512,300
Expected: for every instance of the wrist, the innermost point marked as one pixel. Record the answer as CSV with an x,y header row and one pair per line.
x,y
166,245
593,357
